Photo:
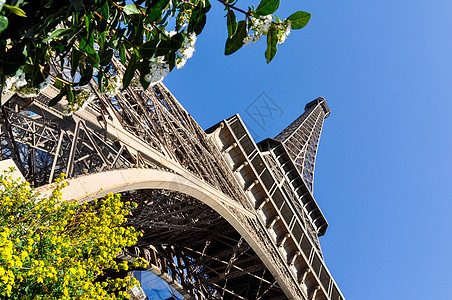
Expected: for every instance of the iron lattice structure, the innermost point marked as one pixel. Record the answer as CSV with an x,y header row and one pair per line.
x,y
247,225
301,138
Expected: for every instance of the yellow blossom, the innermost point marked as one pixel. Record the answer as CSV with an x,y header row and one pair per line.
x,y
60,247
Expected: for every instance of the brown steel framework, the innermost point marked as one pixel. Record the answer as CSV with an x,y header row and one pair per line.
x,y
198,248
276,255
301,138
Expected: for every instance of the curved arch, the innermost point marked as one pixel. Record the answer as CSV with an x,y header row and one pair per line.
x,y
97,185
87,187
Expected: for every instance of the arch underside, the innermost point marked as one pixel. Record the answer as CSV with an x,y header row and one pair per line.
x,y
147,141
178,213
197,248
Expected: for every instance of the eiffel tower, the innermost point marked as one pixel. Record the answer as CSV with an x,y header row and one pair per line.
x,y
222,216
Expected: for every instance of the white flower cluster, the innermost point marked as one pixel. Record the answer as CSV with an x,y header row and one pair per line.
x,y
285,31
114,86
23,88
183,17
82,99
157,71
259,26
187,50
188,47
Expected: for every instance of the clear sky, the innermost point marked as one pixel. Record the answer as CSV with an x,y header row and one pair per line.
x,y
383,172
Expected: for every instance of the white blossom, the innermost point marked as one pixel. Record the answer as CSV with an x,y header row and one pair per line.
x,y
157,71
9,85
262,25
286,31
180,62
188,52
20,81
23,88
28,92
87,100
248,40
183,18
67,112
188,47
259,26
114,86
81,101
160,59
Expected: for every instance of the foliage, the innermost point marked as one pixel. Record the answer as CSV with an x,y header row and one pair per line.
x,y
53,249
82,36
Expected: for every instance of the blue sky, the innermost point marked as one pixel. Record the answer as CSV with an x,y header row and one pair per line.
x,y
383,168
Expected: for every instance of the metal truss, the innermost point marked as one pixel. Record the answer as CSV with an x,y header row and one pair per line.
x,y
197,248
301,138
186,241
44,147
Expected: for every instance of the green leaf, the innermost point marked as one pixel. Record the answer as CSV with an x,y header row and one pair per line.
x,y
148,49
154,15
87,24
69,93
172,60
163,48
11,61
105,11
130,71
161,5
122,53
48,4
57,98
144,69
272,43
3,23
131,9
207,6
58,83
267,7
78,4
35,56
34,31
100,80
105,57
86,75
75,60
231,23
93,59
176,41
57,33
2,2
197,21
235,42
299,19
101,38
138,31
87,45
16,10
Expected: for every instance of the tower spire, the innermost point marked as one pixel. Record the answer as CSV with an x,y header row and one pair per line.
x,y
301,138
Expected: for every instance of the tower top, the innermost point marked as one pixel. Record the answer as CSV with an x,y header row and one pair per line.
x,y
295,125
301,138
320,101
